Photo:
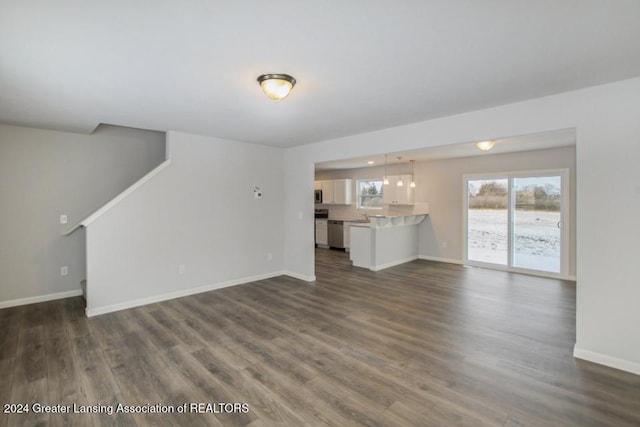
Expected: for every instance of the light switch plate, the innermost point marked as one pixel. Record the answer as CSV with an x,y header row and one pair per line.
x,y
63,219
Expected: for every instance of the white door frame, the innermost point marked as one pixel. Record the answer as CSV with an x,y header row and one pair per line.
x,y
564,220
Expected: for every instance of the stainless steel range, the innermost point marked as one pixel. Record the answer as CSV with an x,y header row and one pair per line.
x,y
322,213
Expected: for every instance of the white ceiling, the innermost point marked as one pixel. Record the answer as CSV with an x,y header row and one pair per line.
x,y
533,142
361,65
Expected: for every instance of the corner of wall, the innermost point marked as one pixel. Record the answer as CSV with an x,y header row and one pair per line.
x,y
606,360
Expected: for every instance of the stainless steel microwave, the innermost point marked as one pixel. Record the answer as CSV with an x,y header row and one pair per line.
x,y
317,196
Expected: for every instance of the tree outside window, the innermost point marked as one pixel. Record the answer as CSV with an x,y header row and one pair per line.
x,y
370,193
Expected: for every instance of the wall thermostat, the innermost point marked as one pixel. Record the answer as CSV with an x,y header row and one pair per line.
x,y
257,193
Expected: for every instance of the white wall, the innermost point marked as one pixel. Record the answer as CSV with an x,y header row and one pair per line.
x,y
199,211
608,197
44,174
298,218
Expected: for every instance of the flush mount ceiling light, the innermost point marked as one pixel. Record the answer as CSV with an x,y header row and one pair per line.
x,y
485,145
276,86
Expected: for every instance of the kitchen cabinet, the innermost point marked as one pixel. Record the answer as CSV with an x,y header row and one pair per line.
x,y
387,241
317,185
327,192
335,192
346,236
394,195
342,191
322,235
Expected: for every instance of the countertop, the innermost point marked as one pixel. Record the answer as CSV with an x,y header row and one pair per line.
x,y
376,216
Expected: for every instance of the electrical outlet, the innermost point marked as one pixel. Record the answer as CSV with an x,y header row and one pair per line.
x,y
63,219
64,270
182,269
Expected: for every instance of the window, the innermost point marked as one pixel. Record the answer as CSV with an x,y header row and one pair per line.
x,y
369,193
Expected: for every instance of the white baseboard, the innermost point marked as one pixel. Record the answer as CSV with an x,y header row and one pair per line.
x,y
90,312
392,264
532,273
299,276
603,359
40,298
438,259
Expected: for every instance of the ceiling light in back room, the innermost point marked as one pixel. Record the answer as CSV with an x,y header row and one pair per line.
x,y
485,145
370,162
276,86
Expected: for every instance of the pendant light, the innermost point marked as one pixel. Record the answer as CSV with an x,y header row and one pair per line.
x,y
413,181
385,178
400,183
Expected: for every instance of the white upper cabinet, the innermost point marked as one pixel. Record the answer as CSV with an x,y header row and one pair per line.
x,y
342,191
394,195
327,192
335,192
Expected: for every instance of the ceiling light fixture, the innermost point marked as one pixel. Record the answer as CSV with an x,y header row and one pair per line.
x,y
485,145
370,162
276,86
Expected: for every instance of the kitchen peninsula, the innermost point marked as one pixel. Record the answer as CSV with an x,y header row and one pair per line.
x,y
386,241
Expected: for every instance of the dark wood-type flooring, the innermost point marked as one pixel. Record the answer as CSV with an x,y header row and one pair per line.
x,y
419,344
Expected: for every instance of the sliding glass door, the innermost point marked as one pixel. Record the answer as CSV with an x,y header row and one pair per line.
x,y
537,218
515,221
488,220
